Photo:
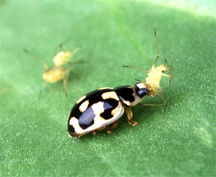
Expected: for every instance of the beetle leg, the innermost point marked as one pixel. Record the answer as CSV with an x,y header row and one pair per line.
x,y
130,116
94,132
102,128
114,125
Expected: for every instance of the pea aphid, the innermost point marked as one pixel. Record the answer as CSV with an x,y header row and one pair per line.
x,y
152,82
54,74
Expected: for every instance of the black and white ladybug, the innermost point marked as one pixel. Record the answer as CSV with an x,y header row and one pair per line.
x,y
100,108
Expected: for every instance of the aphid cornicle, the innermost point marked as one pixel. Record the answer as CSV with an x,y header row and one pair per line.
x,y
100,108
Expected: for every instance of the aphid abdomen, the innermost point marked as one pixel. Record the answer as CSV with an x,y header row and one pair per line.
x,y
53,75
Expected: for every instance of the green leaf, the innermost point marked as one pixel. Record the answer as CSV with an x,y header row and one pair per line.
x,y
34,137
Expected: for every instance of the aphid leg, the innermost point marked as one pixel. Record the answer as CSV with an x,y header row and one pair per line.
x,y
71,64
77,77
114,125
66,75
161,72
41,88
162,104
75,62
40,60
158,86
65,78
75,50
169,70
157,93
165,67
130,116
153,66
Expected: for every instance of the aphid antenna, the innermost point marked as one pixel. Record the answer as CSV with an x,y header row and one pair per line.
x,y
60,45
40,60
135,67
153,66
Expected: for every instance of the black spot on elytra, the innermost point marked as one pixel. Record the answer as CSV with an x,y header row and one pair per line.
x,y
93,97
125,93
87,118
71,129
109,105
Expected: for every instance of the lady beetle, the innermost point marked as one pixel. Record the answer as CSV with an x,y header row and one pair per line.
x,y
100,108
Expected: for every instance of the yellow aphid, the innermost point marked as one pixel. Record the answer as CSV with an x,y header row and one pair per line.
x,y
152,82
154,77
55,73
64,56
